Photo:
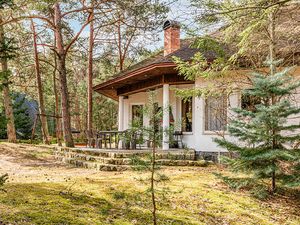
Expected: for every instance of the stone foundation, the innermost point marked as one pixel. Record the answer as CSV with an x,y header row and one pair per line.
x,y
212,156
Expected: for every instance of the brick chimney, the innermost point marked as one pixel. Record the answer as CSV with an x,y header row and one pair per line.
x,y
172,36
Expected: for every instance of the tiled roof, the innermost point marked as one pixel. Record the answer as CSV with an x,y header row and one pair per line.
x,y
185,53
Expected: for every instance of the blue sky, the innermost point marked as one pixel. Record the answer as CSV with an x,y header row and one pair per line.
x,y
180,11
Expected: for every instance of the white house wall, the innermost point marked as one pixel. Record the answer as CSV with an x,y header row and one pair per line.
x,y
199,139
295,119
203,140
141,98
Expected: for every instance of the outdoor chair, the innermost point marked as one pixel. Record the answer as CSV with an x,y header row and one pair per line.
x,y
138,139
95,138
178,136
89,140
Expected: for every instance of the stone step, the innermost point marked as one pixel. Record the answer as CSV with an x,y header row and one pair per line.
x,y
183,155
119,160
89,158
95,165
92,163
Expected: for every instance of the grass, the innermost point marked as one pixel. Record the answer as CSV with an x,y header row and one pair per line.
x,y
81,196
192,199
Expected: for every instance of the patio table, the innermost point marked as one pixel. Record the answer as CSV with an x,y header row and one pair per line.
x,y
107,136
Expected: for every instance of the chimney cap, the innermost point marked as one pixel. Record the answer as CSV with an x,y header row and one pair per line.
x,y
171,23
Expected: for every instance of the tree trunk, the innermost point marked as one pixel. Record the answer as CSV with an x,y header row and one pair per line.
x,y
42,110
121,60
90,79
77,113
9,114
272,53
57,119
152,188
7,102
273,183
61,63
272,58
65,106
152,184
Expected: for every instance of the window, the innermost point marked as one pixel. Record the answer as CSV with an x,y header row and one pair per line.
x,y
216,113
187,115
137,114
249,102
156,109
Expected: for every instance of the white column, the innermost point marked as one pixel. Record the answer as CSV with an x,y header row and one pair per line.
x,y
166,117
121,114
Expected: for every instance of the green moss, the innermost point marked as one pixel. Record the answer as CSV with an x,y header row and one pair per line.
x,y
195,197
46,203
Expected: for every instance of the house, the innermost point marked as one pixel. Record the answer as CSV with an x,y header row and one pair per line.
x,y
201,119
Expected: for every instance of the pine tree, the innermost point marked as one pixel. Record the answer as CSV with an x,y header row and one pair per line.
x,y
264,139
23,122
3,131
7,52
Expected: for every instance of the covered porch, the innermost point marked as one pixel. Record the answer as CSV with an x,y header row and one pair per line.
x,y
131,92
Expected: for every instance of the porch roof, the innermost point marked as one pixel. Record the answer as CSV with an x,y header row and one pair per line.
x,y
149,73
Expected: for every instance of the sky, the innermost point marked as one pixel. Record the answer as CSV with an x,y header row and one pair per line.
x,y
179,11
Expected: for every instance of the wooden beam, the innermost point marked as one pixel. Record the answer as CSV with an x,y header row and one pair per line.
x,y
151,83
137,72
176,79
140,86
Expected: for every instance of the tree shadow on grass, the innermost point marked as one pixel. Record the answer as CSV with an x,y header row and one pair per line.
x,y
27,156
46,203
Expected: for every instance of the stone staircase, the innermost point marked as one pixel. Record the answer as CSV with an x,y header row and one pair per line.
x,y
120,160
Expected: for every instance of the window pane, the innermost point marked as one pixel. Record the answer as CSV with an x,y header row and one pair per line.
x,y
187,115
249,102
137,114
157,109
216,113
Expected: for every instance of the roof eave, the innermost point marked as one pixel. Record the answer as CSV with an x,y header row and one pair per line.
x,y
134,73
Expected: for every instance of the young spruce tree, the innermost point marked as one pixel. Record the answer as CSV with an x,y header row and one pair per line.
x,y
265,139
152,134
